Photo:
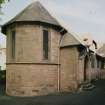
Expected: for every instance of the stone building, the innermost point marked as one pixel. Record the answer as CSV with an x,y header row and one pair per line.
x,y
2,58
101,61
83,61
42,56
101,50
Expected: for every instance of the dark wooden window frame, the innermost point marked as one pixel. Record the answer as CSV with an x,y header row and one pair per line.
x,y
92,61
102,65
13,43
98,63
46,44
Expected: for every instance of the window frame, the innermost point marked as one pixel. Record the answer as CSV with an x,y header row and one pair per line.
x,y
13,43
92,61
49,44
98,63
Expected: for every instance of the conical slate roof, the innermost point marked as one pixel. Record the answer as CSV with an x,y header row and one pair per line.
x,y
34,12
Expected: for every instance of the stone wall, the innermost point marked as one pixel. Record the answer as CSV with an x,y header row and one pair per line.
x,y
31,79
80,71
69,66
102,74
29,44
28,74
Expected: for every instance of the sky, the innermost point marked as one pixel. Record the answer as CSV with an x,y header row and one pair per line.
x,y
79,16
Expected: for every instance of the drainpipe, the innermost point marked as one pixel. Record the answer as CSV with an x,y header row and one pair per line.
x,y
58,84
58,79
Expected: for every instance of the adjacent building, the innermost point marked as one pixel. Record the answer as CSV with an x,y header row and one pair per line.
x,y
101,61
2,58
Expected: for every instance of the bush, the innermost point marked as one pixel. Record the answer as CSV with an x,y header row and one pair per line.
x,y
3,77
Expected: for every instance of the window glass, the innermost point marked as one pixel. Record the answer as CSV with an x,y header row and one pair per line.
x,y
45,44
13,44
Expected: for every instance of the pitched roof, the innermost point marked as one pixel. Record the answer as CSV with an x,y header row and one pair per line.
x,y
87,39
72,38
34,12
69,40
101,51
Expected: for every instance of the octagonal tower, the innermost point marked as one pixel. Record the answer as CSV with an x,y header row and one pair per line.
x,y
32,52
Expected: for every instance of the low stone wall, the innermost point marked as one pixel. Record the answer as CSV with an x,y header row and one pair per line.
x,y
97,74
102,74
69,69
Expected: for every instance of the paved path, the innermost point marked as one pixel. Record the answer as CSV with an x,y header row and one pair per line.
x,y
94,97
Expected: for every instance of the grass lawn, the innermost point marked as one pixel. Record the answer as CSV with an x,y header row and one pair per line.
x,y
94,97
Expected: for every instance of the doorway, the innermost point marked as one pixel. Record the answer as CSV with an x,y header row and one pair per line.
x,y
85,68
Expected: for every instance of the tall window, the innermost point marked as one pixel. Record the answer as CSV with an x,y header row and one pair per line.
x,y
98,63
45,44
102,65
13,44
93,61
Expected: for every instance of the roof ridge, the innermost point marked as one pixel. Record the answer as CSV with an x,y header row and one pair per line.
x,y
18,14
27,8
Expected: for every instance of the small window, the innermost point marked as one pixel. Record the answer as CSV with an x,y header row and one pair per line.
x,y
13,44
102,65
92,61
98,63
45,44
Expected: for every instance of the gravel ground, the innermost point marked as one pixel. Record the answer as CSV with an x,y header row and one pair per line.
x,y
93,97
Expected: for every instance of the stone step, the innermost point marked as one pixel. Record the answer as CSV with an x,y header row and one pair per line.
x,y
85,82
87,86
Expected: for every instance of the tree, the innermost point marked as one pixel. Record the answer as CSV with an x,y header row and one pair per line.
x,y
3,1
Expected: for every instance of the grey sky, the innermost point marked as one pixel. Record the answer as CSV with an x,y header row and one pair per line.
x,y
80,16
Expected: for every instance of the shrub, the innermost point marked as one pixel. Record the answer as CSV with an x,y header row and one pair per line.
x,y
3,77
